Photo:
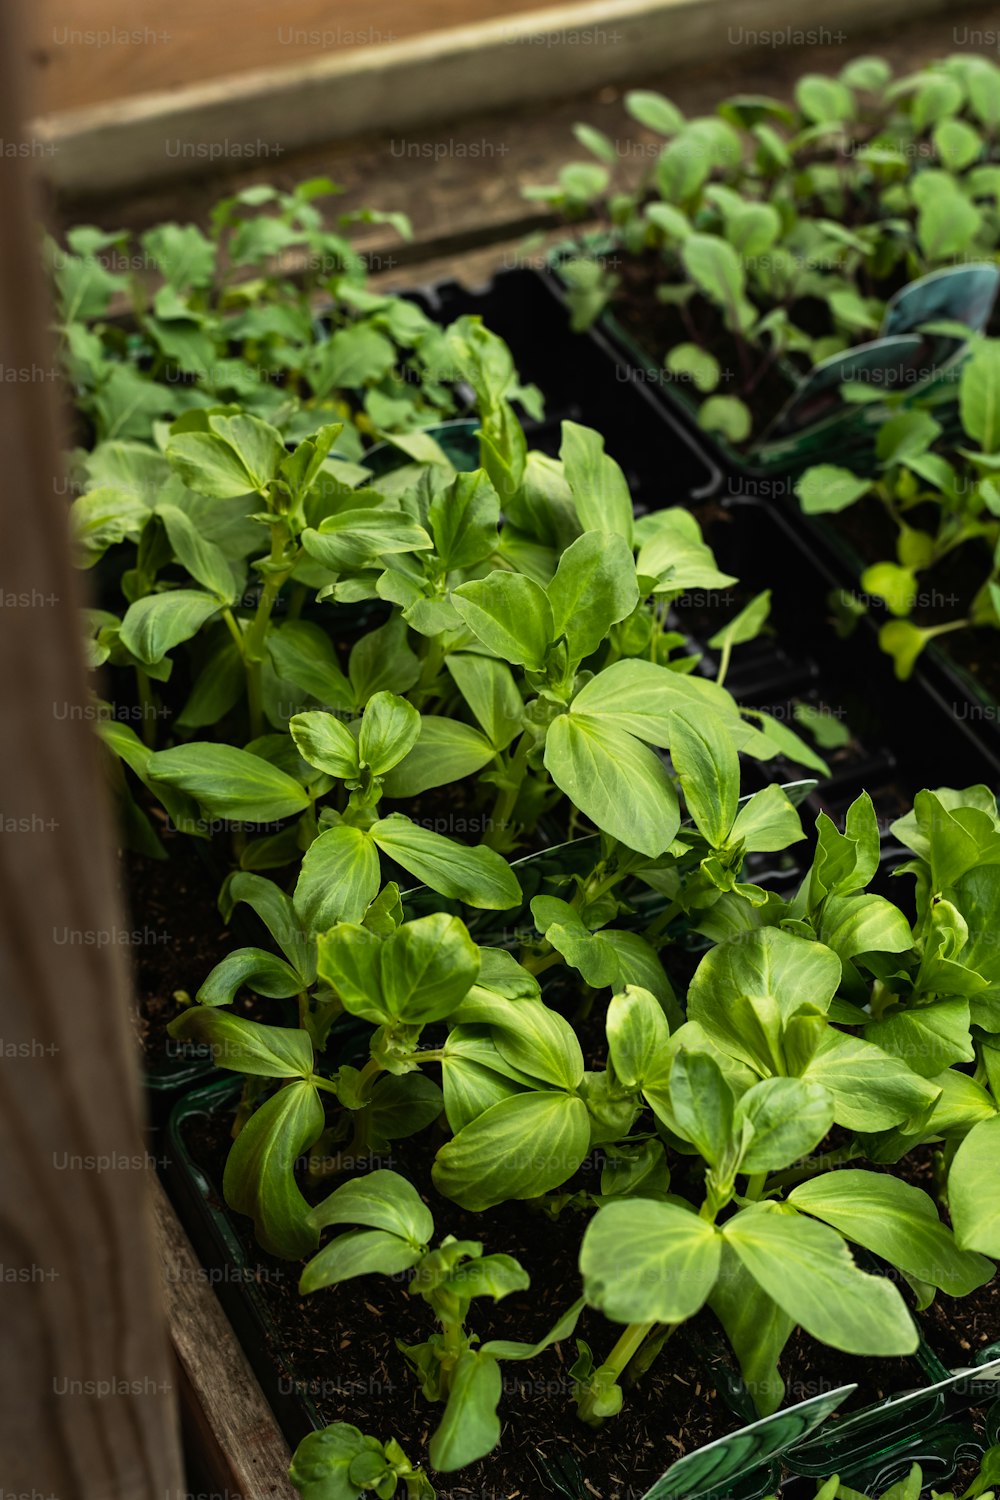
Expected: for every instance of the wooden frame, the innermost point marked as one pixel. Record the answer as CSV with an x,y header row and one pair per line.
x,y
255,118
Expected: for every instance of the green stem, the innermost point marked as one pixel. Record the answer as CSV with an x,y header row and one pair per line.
x,y
660,924
503,808
147,704
627,1346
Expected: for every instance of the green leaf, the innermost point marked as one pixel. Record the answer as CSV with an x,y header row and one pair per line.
x,y
478,876
717,270
691,362
638,1037
906,435
303,654
824,100
383,661
353,539
359,1252
593,588
230,783
702,1103
259,970
946,224
897,1222
389,730
238,455
654,111
247,1046
535,1041
445,751
746,626
706,762
972,1189
419,974
276,911
979,394
463,520
205,561
401,1105
520,1148
957,144
903,641
789,1118
745,992
600,492
510,614
728,415
825,489
488,687
259,1178
153,626
756,1327
871,1090
645,1262
808,1271
614,780
338,880
378,1200
351,358
470,1427
326,743
766,822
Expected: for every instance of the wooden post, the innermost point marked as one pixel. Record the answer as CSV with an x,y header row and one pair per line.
x,y
87,1407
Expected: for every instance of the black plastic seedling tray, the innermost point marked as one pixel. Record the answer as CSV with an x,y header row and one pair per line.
x,y
665,459
929,1423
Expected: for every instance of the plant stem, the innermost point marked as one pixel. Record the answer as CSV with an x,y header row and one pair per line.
x,y
507,797
147,703
627,1346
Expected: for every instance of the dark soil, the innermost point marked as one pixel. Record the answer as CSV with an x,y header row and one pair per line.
x,y
657,327
174,909
959,1328
337,1348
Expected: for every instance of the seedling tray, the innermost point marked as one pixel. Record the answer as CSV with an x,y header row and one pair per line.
x,y
924,1424
955,690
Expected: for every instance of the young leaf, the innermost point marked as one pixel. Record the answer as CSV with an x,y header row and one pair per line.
x,y
470,1427
338,880
153,626
972,1194
259,1179
708,767
600,493
327,743
520,1148
389,730
230,783
510,614
247,1046
478,876
593,588
646,1262
259,970
616,781
897,1222
378,1200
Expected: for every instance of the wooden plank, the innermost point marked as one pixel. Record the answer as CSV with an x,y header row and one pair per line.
x,y
257,118
230,1428
87,1401
87,52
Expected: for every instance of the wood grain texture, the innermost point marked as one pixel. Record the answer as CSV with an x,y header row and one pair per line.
x,y
87,1408
91,51
240,1448
405,87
